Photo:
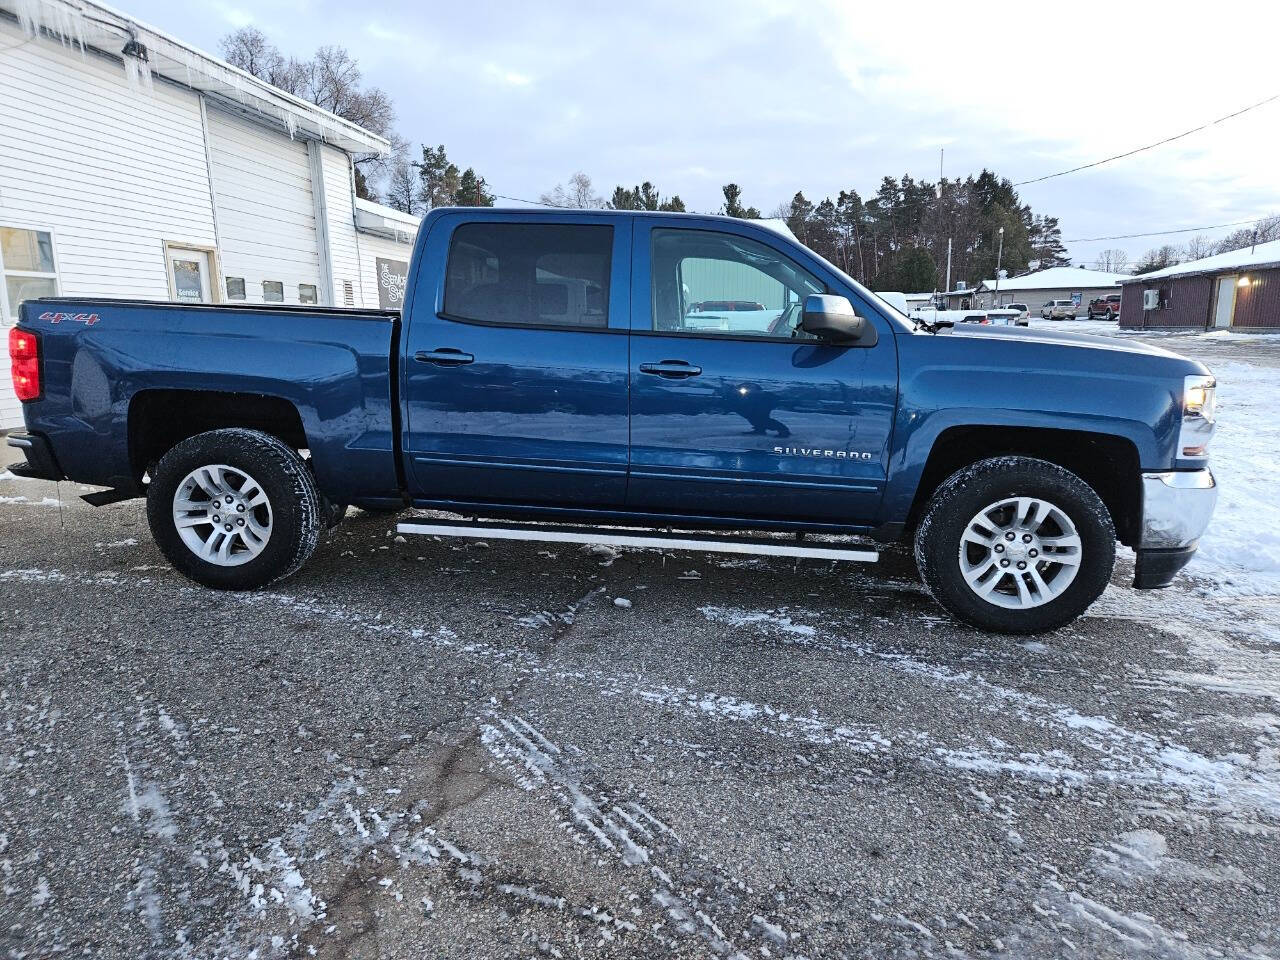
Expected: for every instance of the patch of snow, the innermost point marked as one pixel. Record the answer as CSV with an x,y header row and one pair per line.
x,y
769,619
1240,552
622,602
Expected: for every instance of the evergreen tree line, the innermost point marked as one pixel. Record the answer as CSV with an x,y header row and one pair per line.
x,y
893,240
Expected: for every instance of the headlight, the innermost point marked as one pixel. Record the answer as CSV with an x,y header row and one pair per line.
x,y
1199,409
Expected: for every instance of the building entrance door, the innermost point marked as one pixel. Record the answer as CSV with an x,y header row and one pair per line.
x,y
1225,305
189,273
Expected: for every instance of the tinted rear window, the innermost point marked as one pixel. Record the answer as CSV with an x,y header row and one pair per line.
x,y
529,274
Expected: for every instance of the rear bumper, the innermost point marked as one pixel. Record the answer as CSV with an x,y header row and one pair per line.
x,y
40,463
1176,508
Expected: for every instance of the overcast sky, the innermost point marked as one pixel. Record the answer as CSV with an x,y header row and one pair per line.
x,y
779,96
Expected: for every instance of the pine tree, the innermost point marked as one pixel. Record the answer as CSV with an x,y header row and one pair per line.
x,y
798,217
1045,237
644,197
439,178
733,203
471,191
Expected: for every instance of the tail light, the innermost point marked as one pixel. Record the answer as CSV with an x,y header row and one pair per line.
x,y
24,353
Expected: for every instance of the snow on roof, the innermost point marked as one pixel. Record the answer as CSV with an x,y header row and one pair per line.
x,y
1255,257
385,221
99,28
1057,278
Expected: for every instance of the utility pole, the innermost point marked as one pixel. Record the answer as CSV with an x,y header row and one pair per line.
x,y
947,288
999,259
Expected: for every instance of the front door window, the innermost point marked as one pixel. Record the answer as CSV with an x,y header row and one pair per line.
x,y
708,283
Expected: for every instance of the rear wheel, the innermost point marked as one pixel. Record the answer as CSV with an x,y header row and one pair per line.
x,y
234,509
1110,315
1015,545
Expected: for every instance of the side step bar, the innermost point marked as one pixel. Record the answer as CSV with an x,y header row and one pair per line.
x,y
628,537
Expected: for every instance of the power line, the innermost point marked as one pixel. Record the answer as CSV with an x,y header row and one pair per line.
x,y
536,203
1150,146
1162,233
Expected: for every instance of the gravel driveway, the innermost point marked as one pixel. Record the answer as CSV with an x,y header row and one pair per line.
x,y
434,749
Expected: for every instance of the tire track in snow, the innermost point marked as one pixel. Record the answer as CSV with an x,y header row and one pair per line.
x,y
634,836
1123,756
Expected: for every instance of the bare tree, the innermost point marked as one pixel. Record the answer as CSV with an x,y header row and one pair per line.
x,y
249,49
403,184
1264,231
1113,261
1158,258
578,195
1199,247
332,81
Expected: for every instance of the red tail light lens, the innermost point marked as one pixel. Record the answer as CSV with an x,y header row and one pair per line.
x,y
24,352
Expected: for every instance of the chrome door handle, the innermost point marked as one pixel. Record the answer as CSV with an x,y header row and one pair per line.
x,y
671,369
444,357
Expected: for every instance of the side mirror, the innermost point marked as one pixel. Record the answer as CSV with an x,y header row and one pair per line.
x,y
831,317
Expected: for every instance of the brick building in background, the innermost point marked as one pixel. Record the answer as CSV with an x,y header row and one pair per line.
x,y
1239,290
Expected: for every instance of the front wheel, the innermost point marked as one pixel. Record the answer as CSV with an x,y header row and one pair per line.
x,y
234,509
1015,545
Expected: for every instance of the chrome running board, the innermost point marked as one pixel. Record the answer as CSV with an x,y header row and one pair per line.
x,y
764,546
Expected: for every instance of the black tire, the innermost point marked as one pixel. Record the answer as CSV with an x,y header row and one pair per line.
x,y
968,491
295,503
1110,315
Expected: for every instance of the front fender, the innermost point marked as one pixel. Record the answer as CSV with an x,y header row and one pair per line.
x,y
956,382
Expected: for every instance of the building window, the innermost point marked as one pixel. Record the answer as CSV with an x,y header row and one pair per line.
x,y
272,291
27,264
307,293
520,274
235,288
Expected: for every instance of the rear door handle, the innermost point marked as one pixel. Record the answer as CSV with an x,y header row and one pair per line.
x,y
444,357
671,369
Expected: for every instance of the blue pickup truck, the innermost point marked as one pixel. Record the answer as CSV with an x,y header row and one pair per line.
x,y
633,374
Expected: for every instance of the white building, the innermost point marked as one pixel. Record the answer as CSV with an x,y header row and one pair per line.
x,y
134,165
1044,286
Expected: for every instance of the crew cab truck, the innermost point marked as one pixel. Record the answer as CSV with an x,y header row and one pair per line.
x,y
552,368
1107,307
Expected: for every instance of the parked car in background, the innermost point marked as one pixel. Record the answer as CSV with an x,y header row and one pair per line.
x,y
1058,310
996,317
1024,313
1007,317
1108,307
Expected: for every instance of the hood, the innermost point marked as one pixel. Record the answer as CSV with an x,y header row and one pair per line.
x,y
1038,335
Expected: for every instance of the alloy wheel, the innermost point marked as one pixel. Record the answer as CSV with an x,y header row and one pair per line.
x,y
1020,552
222,514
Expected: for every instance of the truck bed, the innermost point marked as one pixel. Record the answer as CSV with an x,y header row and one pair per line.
x,y
108,365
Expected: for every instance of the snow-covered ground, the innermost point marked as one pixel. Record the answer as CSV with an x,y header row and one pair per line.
x,y
1240,554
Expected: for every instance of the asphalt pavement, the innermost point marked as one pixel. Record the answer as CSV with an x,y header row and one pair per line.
x,y
424,748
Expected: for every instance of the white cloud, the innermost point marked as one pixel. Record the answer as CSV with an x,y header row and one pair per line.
x,y
509,77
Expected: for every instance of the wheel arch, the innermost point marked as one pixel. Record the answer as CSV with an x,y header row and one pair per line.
x,y
1107,462
160,419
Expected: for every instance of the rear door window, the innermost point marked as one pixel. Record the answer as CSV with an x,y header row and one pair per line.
x,y
529,274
